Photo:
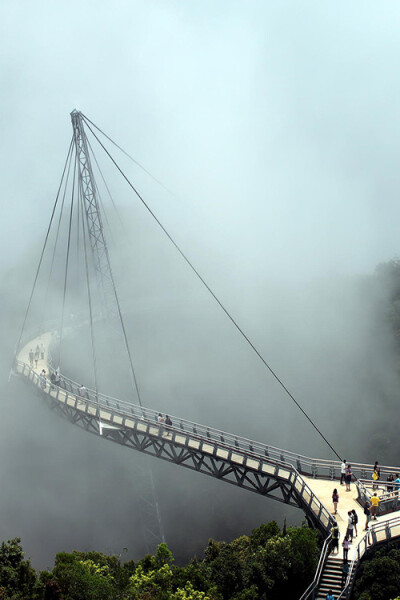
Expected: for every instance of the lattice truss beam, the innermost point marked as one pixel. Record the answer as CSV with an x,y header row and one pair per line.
x,y
93,215
271,486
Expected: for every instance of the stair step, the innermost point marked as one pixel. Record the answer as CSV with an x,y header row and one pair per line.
x,y
331,580
330,584
325,589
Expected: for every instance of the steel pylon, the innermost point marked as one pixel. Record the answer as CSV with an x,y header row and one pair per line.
x,y
151,518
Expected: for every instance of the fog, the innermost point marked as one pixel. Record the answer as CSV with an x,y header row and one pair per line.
x,y
275,126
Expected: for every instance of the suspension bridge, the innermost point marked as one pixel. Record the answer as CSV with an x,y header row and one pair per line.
x,y
290,478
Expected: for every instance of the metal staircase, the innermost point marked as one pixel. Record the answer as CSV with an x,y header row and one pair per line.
x,y
331,578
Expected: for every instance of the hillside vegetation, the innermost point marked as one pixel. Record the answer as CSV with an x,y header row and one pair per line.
x,y
269,564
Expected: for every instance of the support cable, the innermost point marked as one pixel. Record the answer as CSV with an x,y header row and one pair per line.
x,y
58,230
96,220
77,245
80,204
87,120
239,329
107,188
67,256
43,249
133,374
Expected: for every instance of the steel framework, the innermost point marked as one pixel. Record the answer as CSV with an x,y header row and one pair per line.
x,y
251,471
94,222
151,515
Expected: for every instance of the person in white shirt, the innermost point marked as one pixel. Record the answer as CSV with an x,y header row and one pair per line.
x,y
342,472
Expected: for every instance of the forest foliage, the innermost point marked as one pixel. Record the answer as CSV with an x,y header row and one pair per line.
x,y
267,565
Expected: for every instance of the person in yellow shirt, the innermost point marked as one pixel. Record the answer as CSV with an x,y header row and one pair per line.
x,y
374,505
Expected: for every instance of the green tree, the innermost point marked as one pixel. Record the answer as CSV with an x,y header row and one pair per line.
x,y
379,577
80,577
17,578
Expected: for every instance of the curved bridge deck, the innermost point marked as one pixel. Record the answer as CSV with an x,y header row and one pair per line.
x,y
284,476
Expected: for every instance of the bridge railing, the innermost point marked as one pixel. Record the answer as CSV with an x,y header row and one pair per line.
x,y
143,419
388,493
312,589
305,465
316,468
312,467
377,534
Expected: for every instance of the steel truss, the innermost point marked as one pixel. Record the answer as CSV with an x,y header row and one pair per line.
x,y
93,216
164,446
151,520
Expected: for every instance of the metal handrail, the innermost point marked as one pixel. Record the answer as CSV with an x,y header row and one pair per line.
x,y
305,492
239,441
309,593
212,433
365,544
358,552
304,464
375,485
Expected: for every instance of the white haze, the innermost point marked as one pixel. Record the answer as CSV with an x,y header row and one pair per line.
x,y
276,127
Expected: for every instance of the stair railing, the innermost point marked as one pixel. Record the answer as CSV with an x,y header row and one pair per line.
x,y
312,589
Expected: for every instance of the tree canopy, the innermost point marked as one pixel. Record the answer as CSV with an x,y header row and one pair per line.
x,y
268,564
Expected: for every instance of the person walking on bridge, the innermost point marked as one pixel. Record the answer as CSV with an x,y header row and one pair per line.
x,y
343,472
42,351
345,572
37,355
348,477
375,504
82,391
168,424
31,357
355,521
42,379
335,538
345,545
350,525
367,513
375,478
335,500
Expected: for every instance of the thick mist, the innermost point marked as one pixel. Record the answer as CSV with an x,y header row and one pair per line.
x,y
275,126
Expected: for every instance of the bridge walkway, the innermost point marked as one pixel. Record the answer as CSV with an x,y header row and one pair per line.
x,y
284,476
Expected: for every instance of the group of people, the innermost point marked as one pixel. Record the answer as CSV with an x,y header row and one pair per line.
x,y
38,354
55,378
352,525
391,485
345,475
352,521
370,512
164,421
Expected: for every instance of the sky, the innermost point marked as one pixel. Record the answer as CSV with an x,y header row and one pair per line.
x,y
275,126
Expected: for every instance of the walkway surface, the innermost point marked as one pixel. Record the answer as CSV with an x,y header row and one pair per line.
x,y
23,354
323,489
